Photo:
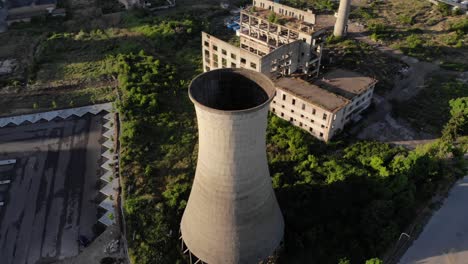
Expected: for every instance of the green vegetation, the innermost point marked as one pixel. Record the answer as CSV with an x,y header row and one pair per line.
x,y
158,138
364,193
272,17
317,5
431,106
418,28
380,31
454,66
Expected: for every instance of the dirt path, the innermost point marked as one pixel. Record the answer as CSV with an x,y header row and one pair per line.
x,y
380,125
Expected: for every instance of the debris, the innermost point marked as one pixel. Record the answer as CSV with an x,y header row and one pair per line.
x,y
112,247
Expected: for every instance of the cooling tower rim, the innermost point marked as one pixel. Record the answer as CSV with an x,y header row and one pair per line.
x,y
259,78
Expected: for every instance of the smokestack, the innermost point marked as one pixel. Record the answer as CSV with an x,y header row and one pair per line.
x,y
232,215
342,19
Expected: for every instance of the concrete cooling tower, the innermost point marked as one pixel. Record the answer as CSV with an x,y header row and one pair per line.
x,y
341,23
232,215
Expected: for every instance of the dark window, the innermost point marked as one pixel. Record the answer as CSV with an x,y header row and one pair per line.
x,y
273,109
282,106
322,126
321,134
233,65
233,55
292,111
284,97
300,124
253,65
243,61
207,68
312,121
215,47
282,114
224,62
303,106
302,116
324,116
313,111
293,101
290,119
311,129
207,44
223,52
207,53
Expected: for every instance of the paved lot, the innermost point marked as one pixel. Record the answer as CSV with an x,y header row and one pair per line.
x,y
50,200
3,15
445,238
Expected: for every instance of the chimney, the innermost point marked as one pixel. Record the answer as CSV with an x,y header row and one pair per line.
x,y
232,215
341,24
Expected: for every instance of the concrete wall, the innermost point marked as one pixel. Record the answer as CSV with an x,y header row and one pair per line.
x,y
310,117
220,54
302,114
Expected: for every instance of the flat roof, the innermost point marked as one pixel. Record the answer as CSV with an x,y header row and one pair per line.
x,y
345,83
312,93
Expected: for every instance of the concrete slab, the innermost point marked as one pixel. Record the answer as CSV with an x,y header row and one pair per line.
x,y
107,219
7,162
108,143
107,204
109,116
444,240
108,125
109,133
108,176
51,196
108,165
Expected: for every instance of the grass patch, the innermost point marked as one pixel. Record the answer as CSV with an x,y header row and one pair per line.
x,y
403,24
430,106
454,66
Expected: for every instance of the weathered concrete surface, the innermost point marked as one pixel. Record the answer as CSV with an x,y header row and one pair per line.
x,y
232,215
51,197
445,238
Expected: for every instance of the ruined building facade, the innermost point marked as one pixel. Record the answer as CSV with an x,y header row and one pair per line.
x,y
280,42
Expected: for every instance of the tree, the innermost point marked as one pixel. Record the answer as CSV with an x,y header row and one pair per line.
x,y
374,261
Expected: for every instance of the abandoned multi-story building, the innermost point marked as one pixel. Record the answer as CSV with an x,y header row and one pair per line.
x,y
274,39
323,107
280,41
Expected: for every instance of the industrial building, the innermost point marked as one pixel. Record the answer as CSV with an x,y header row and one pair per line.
x,y
232,215
274,39
323,106
281,42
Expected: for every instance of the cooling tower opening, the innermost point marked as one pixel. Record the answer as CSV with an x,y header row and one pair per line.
x,y
231,89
